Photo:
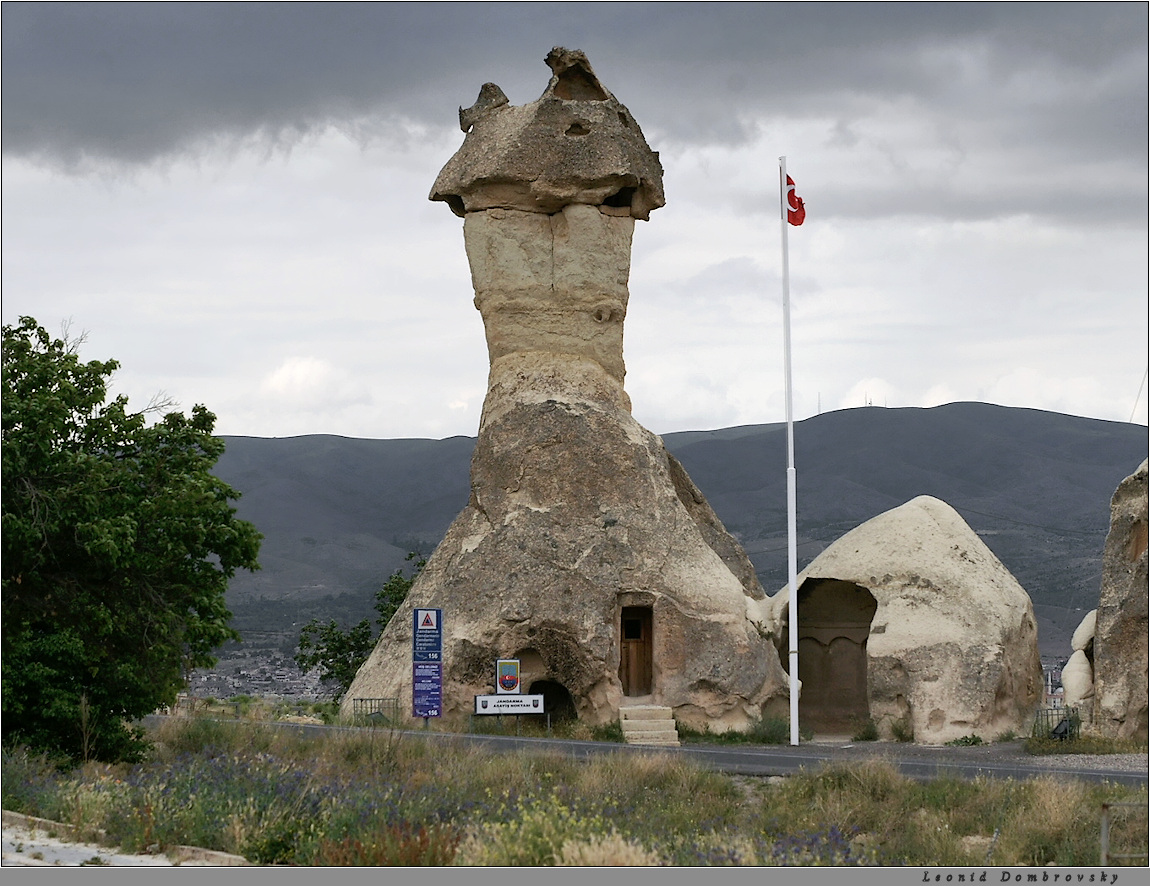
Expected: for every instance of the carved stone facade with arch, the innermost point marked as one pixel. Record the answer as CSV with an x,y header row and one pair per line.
x,y
834,626
951,644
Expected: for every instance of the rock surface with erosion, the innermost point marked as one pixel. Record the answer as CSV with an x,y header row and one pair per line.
x,y
585,550
1078,672
914,622
575,144
1120,632
1078,682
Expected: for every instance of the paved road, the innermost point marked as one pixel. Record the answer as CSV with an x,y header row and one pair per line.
x,y
997,760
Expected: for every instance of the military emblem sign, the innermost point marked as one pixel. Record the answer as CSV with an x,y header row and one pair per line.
x,y
507,676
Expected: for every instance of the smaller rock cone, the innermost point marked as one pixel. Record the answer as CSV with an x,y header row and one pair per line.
x,y
912,612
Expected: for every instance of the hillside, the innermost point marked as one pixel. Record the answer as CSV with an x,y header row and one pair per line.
x,y
339,514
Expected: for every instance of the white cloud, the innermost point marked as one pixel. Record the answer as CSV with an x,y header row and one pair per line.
x,y
302,382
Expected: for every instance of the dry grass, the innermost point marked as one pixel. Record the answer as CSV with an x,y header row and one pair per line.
x,y
609,851
365,795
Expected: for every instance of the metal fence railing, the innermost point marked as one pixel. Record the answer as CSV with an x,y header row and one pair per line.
x,y
1061,723
1110,811
375,711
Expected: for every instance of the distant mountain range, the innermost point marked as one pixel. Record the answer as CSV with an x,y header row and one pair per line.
x,y
339,514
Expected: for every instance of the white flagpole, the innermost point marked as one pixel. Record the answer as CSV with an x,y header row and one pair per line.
x,y
792,551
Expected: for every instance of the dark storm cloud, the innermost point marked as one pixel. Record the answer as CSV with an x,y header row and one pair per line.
x,y
132,82
1001,149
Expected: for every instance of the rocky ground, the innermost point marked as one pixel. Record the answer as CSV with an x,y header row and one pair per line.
x,y
34,842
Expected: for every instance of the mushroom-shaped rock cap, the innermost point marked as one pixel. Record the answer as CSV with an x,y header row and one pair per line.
x,y
575,144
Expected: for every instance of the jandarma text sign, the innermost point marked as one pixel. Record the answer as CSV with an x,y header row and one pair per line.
x,y
509,704
427,635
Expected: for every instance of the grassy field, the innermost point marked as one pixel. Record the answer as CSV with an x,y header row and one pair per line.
x,y
375,796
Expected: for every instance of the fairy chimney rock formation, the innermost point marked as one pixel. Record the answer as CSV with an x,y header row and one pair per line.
x,y
575,145
910,620
1078,672
585,551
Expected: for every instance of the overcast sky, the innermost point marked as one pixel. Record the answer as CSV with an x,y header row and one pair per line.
x,y
231,200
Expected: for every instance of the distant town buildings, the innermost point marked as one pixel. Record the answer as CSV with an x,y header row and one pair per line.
x,y
258,672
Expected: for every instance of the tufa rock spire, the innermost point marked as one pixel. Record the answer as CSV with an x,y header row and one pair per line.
x,y
585,551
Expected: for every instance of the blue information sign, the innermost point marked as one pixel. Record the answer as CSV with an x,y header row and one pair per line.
x,y
426,688
427,635
427,663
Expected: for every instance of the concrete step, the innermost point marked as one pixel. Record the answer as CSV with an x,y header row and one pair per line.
x,y
660,740
649,725
645,712
634,727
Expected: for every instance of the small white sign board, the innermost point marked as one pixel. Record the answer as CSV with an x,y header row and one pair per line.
x,y
509,704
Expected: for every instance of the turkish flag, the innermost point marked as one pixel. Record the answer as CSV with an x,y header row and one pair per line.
x,y
796,212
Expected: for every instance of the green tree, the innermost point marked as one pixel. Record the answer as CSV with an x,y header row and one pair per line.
x,y
338,654
118,544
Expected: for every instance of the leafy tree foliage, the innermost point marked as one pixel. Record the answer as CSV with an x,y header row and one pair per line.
x,y
335,652
338,654
118,544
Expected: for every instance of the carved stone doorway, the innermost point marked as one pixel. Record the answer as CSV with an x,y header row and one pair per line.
x,y
635,654
557,701
834,623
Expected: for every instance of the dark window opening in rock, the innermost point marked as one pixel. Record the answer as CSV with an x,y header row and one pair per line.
x,y
636,650
623,119
621,197
834,624
576,84
557,701
577,128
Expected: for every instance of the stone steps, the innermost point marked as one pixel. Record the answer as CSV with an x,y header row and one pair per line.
x,y
651,725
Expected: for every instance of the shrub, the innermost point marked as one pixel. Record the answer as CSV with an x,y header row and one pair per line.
x,y
193,735
395,845
328,711
771,730
831,847
531,835
1084,744
31,783
612,731
902,730
611,850
867,730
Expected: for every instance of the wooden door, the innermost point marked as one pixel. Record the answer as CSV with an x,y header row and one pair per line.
x,y
635,658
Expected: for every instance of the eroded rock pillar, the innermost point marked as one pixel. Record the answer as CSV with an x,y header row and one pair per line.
x,y
554,283
578,517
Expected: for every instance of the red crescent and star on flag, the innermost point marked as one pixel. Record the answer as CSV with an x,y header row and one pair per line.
x,y
796,212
